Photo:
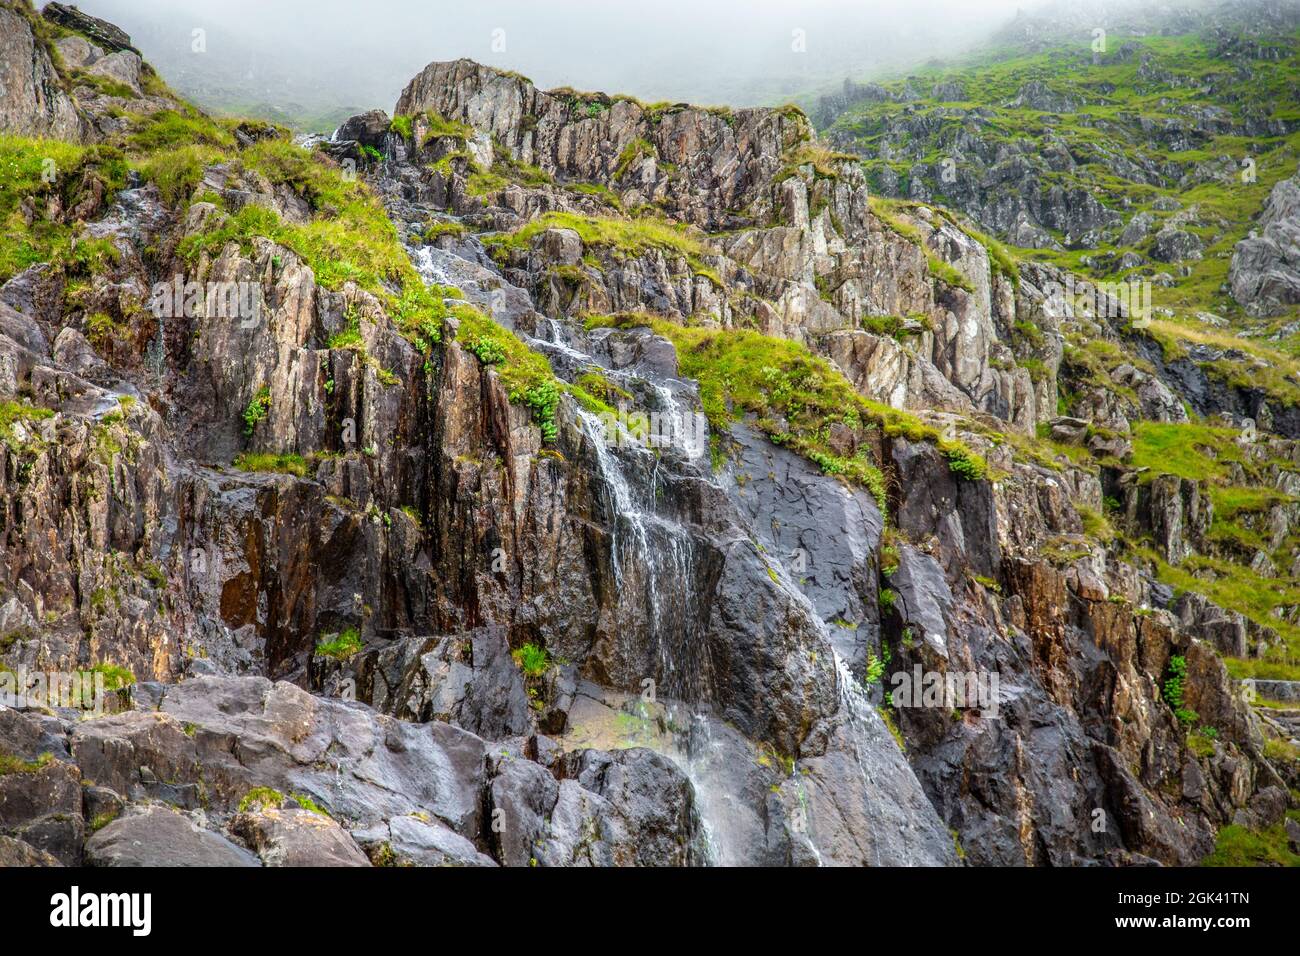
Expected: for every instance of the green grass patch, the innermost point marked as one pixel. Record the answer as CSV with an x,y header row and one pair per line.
x,y
533,660
10,764
281,464
1238,846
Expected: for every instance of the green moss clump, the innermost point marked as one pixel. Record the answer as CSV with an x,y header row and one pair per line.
x,y
13,413
1239,846
401,125
341,646
261,798
440,126
307,803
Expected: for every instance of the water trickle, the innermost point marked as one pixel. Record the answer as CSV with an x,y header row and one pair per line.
x,y
865,727
653,558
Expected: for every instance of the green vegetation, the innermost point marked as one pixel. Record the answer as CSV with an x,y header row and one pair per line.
x,y
349,238
1234,586
341,646
526,375
307,803
259,407
1172,690
1238,846
1215,180
20,413
887,715
439,126
115,678
633,152
33,171
289,464
626,238
10,764
401,125
823,160
1201,743
889,212
350,337
1189,451
261,798
794,397
268,798
436,230
532,660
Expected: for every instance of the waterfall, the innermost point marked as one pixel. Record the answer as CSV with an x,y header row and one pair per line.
x,y
653,558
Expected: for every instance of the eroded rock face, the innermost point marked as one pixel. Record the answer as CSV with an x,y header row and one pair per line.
x,y
32,100
102,32
1080,730
722,161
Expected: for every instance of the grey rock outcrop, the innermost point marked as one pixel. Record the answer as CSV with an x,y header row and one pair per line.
x,y
33,101
159,836
1265,272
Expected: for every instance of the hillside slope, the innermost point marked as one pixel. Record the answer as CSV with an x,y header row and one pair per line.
x,y
1147,152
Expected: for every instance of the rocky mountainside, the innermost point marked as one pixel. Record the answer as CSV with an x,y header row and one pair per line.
x,y
545,478
1127,142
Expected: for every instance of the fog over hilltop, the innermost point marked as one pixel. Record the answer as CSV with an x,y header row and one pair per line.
x,y
317,60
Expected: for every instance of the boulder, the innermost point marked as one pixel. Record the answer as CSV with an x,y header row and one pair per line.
x,y
17,853
158,836
297,837
1176,245
368,129
420,841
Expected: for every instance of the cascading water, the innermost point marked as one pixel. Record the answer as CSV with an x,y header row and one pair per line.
x,y
653,557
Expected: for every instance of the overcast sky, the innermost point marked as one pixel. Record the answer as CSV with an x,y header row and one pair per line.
x,y
351,54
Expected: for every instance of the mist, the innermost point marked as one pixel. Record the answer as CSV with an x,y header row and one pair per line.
x,y
315,61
